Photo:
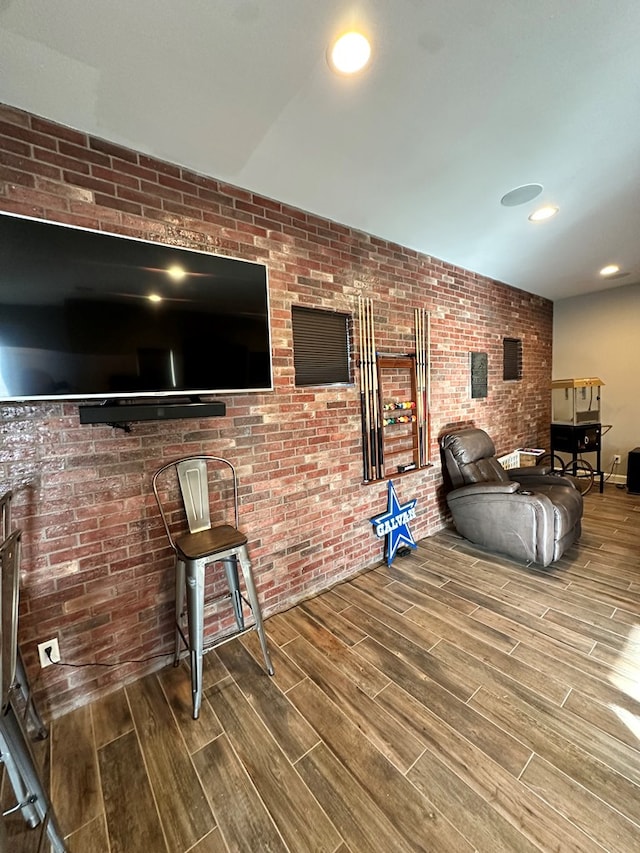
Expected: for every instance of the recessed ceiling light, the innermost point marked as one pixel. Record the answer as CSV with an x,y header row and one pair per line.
x,y
610,269
153,297
350,53
521,195
543,213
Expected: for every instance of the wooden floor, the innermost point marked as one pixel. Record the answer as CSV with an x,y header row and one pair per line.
x,y
454,702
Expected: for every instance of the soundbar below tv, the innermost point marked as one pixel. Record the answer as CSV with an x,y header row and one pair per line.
x,y
121,413
86,315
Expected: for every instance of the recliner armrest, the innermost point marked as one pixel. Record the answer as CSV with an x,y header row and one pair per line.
x,y
529,471
491,488
531,477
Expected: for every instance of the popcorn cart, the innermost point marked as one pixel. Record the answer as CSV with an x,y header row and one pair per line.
x,y
576,426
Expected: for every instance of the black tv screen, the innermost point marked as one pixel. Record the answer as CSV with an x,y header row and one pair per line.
x,y
89,315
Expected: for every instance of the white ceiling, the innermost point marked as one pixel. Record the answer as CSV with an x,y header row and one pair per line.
x,y
463,101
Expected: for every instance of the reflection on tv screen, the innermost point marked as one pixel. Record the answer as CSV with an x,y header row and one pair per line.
x,y
86,314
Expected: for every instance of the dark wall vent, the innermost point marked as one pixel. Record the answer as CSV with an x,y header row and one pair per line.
x,y
512,358
320,346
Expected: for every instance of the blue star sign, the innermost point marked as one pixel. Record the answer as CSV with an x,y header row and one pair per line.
x,y
394,523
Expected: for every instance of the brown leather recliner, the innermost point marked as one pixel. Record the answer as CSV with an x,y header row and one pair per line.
x,y
526,513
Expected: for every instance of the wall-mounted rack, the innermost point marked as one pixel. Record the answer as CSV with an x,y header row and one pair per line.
x,y
400,433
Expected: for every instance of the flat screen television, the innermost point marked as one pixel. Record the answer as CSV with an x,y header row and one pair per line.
x,y
86,315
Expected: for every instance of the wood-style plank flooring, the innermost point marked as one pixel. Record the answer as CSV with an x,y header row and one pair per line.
x,y
456,701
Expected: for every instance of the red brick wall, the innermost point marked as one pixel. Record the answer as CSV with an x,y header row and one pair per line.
x,y
96,570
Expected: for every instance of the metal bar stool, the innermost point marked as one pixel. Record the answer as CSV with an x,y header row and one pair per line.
x,y
15,751
203,544
21,680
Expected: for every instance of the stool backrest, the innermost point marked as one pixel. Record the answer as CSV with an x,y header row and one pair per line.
x,y
9,584
194,478
194,485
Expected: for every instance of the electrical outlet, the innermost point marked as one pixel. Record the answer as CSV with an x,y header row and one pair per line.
x,y
45,660
616,459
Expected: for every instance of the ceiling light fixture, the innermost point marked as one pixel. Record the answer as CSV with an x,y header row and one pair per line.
x,y
350,53
543,213
610,269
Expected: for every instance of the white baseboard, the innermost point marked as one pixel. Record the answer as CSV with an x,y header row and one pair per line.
x,y
615,478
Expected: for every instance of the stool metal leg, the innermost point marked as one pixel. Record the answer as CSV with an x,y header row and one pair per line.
x,y
24,798
25,780
195,615
22,683
255,605
231,568
180,593
195,574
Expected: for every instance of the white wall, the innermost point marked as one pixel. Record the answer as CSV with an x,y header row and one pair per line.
x,y
599,335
